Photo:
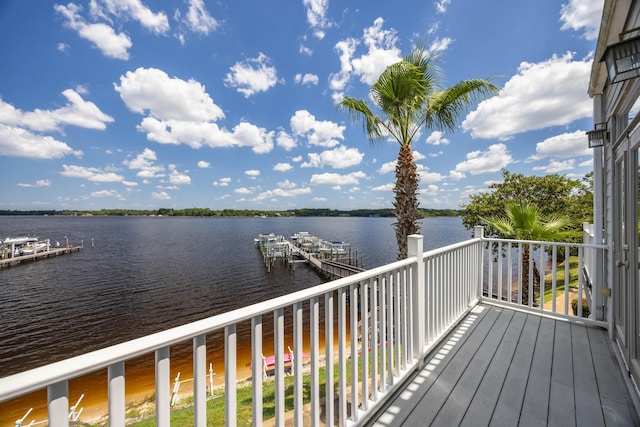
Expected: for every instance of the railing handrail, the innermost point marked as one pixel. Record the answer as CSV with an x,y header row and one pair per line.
x,y
548,243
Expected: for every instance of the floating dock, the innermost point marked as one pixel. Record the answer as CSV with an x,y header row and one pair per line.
x,y
332,258
52,252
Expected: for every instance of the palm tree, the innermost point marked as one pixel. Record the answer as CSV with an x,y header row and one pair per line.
x,y
406,97
523,221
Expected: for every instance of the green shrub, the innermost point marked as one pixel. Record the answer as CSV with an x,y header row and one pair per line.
x,y
585,307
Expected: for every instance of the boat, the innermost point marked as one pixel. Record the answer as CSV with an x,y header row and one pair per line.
x,y
24,245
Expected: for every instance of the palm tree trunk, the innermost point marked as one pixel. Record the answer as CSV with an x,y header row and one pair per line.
x,y
406,200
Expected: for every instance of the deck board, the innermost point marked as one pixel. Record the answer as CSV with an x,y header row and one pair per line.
x,y
501,367
464,391
495,375
561,396
506,411
588,409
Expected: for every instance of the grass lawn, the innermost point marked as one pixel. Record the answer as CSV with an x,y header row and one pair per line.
x,y
561,286
183,416
560,279
215,407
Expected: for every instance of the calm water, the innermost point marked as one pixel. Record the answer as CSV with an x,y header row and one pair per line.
x,y
146,274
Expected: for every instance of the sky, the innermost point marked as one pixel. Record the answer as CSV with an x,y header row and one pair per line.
x,y
232,104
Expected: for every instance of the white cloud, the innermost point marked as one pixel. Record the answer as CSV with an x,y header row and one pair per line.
x,y
76,112
17,142
427,177
38,183
388,167
319,133
582,14
307,79
566,145
437,138
142,160
181,112
161,195
429,190
286,184
222,182
145,163
282,167
493,159
253,173
556,166
178,178
417,156
152,91
285,141
197,19
544,94
338,81
243,190
337,179
204,164
107,193
90,174
441,5
381,52
385,187
317,16
281,192
338,158
111,44
134,9
252,76
440,45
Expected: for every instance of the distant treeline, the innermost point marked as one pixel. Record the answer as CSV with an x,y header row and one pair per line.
x,y
206,212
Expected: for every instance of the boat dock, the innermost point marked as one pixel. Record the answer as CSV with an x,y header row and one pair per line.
x,y
332,258
8,261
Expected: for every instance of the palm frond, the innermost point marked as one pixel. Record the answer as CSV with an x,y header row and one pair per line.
x,y
446,107
359,111
524,221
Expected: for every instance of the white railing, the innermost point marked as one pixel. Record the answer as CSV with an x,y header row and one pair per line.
x,y
537,275
378,326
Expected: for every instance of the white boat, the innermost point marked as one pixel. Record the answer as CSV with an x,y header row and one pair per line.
x,y
25,245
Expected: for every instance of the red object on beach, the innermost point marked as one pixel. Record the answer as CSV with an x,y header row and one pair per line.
x,y
270,361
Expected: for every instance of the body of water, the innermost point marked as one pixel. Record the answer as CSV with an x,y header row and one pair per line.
x,y
140,275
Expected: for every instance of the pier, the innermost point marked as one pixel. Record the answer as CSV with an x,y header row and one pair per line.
x,y
51,252
332,258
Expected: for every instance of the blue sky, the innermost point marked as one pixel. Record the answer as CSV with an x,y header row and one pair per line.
x,y
232,104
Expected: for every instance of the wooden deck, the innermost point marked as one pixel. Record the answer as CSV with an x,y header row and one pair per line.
x,y
502,367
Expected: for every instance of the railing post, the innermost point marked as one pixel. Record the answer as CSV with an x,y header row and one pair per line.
x,y
200,380
163,387
478,233
258,374
58,407
418,304
116,395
